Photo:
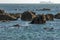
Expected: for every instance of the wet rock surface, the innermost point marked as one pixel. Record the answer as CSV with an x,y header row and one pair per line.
x,y
1,11
17,15
48,29
16,25
57,16
49,17
27,16
7,17
38,20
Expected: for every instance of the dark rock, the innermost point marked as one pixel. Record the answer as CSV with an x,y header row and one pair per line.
x,y
17,25
16,9
44,9
7,17
49,17
5,21
57,16
40,19
27,16
17,15
48,29
1,11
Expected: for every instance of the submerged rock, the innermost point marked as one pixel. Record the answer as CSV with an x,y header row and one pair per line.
x,y
16,9
40,19
17,25
57,16
44,9
4,20
48,29
28,16
49,17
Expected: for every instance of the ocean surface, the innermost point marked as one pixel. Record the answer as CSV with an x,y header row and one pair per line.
x,y
28,31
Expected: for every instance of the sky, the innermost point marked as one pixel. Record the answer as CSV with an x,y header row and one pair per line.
x,y
28,1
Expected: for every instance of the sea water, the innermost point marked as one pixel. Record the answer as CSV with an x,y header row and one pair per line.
x,y
30,31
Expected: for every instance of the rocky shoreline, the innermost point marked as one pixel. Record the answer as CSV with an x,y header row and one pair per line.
x,y
28,16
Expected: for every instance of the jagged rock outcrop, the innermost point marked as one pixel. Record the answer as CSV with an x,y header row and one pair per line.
x,y
57,16
49,17
40,19
1,11
27,15
17,15
7,17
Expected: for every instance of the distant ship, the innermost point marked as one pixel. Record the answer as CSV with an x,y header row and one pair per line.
x,y
44,2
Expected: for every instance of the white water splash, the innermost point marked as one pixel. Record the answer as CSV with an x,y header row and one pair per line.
x,y
25,24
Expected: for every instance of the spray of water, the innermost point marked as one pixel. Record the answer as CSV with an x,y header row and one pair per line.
x,y
25,24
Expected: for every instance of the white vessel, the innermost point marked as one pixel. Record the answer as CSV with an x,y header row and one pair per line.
x,y
44,2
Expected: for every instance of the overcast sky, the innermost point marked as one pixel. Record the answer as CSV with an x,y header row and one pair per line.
x,y
27,1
